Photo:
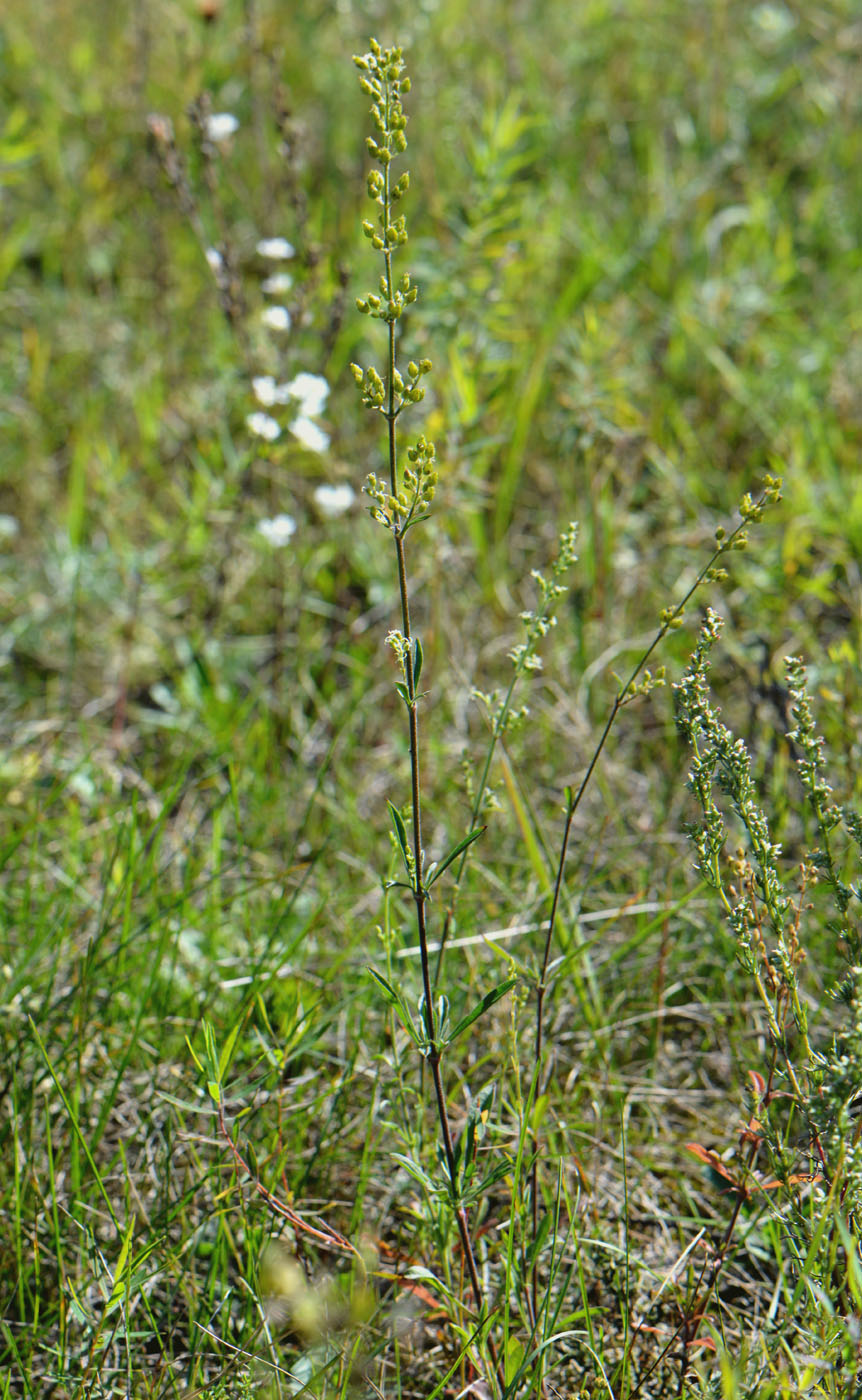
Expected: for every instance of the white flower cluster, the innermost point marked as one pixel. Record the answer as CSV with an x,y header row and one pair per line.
x,y
334,500
278,530
308,393
276,249
331,501
276,318
219,127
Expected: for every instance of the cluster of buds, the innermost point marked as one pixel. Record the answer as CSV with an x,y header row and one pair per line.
x,y
404,499
372,386
388,307
404,391
646,683
538,622
383,80
420,479
409,504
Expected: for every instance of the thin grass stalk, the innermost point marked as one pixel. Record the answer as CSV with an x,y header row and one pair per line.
x,y
750,511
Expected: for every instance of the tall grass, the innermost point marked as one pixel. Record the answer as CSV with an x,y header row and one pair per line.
x,y
383,1012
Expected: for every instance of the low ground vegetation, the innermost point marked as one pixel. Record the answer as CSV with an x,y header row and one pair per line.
x,y
430,689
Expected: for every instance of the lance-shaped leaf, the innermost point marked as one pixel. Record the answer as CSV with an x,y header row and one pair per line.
x,y
489,1000
418,1174
440,866
401,836
395,999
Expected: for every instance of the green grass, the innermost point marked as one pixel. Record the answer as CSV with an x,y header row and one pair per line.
x,y
636,233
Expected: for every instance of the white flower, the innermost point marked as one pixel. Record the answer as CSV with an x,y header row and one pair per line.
x,y
276,317
268,392
8,527
265,387
215,260
310,435
220,126
334,500
275,248
263,426
312,391
278,530
277,284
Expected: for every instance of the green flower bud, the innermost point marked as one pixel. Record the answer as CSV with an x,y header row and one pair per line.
x,y
382,155
413,370
425,366
372,148
377,242
356,371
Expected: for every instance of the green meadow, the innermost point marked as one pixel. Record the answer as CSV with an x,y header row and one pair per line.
x,y
430,948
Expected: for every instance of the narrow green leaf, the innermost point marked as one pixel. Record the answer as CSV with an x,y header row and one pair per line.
x,y
394,998
227,1052
413,1169
400,833
417,661
119,1287
194,1056
455,852
502,1170
186,1104
423,1275
403,692
484,1005
387,988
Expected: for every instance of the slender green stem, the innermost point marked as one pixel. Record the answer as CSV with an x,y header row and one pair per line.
x,y
670,620
399,518
496,731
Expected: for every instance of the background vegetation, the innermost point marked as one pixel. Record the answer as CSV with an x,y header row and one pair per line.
x,y
636,229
